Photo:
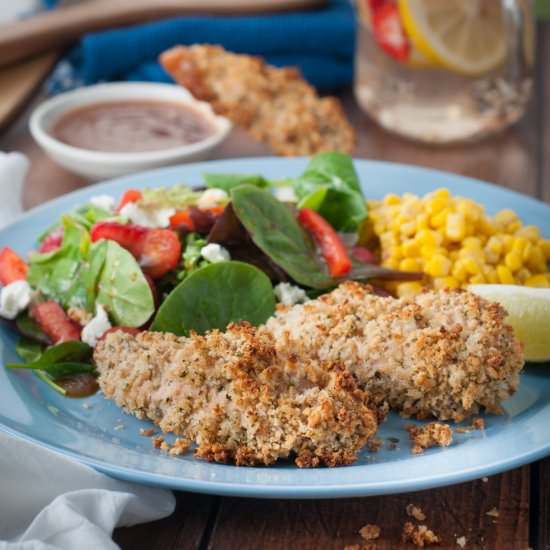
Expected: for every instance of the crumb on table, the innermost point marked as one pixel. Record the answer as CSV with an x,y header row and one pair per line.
x,y
461,541
370,531
429,435
415,512
493,512
419,535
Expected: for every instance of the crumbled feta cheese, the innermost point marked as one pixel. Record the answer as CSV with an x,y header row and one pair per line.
x,y
14,298
96,326
212,197
214,252
147,217
289,295
285,194
105,202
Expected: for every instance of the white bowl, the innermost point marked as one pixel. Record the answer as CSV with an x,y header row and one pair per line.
x,y
101,165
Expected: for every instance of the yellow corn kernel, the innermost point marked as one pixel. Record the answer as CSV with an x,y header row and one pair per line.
x,y
478,279
454,255
392,198
519,245
455,226
522,275
422,222
492,277
530,232
439,219
513,227
513,261
537,261
442,193
408,289
459,271
408,229
435,205
490,256
527,249
428,237
508,242
471,266
537,281
495,245
485,226
472,243
445,282
438,266
410,264
476,255
391,263
410,248
505,276
505,217
545,247
469,209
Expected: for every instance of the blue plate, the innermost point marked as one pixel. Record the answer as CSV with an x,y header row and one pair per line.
x,y
97,433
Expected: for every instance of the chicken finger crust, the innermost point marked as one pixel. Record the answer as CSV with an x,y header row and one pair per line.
x,y
237,397
444,354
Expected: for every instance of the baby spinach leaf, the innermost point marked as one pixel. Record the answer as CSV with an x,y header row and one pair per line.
x,y
66,352
28,350
330,186
214,296
275,230
229,181
121,286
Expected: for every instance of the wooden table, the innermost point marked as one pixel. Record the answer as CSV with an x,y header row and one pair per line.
x,y
518,159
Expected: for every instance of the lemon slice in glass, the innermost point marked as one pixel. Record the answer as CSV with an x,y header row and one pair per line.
x,y
465,36
528,313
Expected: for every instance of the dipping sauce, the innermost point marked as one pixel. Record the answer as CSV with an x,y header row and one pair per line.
x,y
132,126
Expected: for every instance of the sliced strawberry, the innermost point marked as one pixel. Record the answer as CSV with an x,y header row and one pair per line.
x,y
127,235
131,195
12,267
52,320
157,250
53,240
129,330
363,254
160,252
388,31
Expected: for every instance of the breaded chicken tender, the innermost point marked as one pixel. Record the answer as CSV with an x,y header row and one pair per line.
x,y
235,396
275,105
444,354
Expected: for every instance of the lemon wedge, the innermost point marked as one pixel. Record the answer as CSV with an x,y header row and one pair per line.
x,y
528,313
465,36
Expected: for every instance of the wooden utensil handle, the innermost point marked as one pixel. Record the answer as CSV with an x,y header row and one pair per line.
x,y
55,29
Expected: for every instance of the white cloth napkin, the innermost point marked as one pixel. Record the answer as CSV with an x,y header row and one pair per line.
x,y
13,169
49,501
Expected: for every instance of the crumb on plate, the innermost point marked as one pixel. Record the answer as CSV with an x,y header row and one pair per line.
x,y
429,435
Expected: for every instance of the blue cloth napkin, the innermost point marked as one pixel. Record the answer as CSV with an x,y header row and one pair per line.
x,y
320,42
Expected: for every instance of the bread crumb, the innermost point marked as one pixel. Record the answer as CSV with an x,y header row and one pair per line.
x,y
147,433
429,435
461,541
370,531
419,535
464,430
157,441
485,479
415,512
165,446
374,444
493,512
180,447
478,423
